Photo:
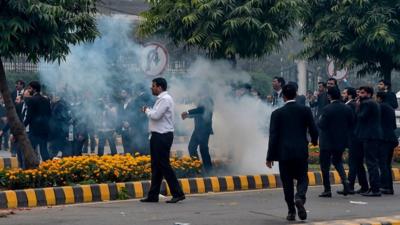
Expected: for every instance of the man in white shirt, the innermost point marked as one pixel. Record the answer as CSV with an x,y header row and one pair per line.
x,y
161,125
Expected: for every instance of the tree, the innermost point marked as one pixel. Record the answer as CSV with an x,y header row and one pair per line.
x,y
355,33
40,29
224,28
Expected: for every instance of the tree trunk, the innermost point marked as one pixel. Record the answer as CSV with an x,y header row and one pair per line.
x,y
16,127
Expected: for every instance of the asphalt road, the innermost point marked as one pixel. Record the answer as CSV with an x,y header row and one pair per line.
x,y
239,208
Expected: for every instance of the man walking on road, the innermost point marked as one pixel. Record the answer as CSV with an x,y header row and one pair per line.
x,y
161,124
335,124
288,144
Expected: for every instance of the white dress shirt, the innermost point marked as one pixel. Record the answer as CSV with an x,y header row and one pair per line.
x,y
161,116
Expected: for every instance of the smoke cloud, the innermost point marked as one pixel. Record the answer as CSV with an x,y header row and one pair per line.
x,y
240,123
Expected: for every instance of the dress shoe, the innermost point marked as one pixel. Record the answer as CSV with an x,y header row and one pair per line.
x,y
148,200
387,191
349,192
325,194
372,194
362,191
301,211
291,216
176,199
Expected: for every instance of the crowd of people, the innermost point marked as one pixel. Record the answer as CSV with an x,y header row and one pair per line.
x,y
63,124
358,120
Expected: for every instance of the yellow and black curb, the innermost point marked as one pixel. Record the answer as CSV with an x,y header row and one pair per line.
x,y
113,191
389,220
8,163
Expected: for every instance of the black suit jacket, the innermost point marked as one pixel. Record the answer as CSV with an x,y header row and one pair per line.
x,y
203,117
127,114
391,100
38,115
388,122
322,101
288,133
336,125
369,121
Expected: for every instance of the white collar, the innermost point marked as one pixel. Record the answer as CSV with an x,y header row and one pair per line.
x,y
349,101
293,100
162,94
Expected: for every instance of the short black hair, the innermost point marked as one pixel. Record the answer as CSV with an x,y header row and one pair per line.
x,y
381,95
294,84
280,80
367,89
161,82
35,85
323,83
289,91
351,91
333,80
20,82
386,83
334,92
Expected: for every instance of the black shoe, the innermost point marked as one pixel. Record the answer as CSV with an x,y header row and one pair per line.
x,y
325,194
342,192
291,216
372,194
148,200
362,191
387,191
176,199
301,211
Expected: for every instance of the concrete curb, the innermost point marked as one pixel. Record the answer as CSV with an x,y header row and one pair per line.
x,y
8,163
106,192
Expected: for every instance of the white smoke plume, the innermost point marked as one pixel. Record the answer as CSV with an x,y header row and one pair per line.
x,y
240,124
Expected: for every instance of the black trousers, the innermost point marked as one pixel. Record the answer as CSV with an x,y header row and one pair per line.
x,y
294,170
328,157
385,164
103,137
160,148
371,151
126,136
356,165
40,142
201,141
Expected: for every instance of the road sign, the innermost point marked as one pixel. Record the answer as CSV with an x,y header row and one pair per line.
x,y
154,59
333,72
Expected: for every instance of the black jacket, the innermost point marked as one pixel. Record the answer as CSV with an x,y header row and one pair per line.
x,y
38,115
391,100
203,117
322,101
288,133
60,120
126,115
388,122
336,125
369,121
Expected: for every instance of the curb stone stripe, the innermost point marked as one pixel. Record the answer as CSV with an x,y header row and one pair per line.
x,y
390,220
105,192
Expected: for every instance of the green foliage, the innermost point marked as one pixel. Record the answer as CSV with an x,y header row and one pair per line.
x,y
45,28
224,28
360,33
261,82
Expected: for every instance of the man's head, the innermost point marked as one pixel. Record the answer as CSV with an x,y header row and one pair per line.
x,y
384,85
349,93
321,86
289,92
333,93
365,92
332,82
159,85
380,96
34,87
125,93
278,83
19,85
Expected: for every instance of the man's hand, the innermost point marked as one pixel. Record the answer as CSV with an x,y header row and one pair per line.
x,y
144,108
184,115
270,164
125,124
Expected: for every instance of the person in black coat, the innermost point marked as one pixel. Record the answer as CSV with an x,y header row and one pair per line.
x,y
202,115
126,114
356,153
288,144
322,99
37,118
390,98
369,132
389,142
59,127
141,122
335,123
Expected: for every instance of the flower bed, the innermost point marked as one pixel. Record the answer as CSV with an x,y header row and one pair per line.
x,y
92,169
313,152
